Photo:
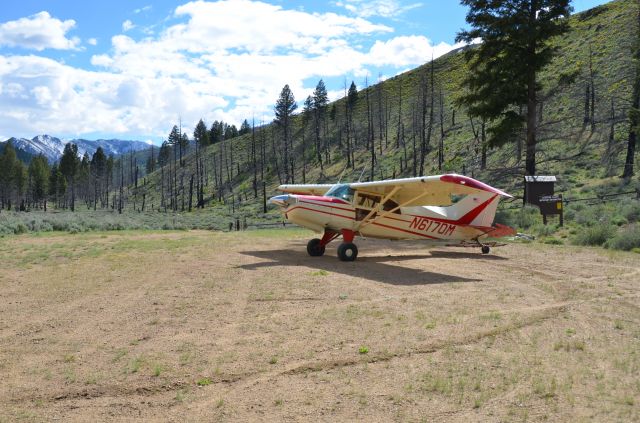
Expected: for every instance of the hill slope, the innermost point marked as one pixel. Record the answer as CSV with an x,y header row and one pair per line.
x,y
576,143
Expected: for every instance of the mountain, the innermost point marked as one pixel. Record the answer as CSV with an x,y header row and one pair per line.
x,y
52,147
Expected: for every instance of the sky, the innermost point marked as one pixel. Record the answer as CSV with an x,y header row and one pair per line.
x,y
131,69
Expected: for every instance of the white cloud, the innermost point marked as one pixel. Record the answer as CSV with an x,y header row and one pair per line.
x,y
383,8
127,25
143,9
38,32
407,50
257,26
203,66
92,41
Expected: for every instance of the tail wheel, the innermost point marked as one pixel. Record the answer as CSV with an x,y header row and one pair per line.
x,y
347,251
315,248
485,249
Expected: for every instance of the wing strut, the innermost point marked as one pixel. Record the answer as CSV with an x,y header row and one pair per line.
x,y
377,208
386,213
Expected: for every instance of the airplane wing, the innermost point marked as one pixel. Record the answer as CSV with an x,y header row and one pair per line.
x,y
306,189
425,190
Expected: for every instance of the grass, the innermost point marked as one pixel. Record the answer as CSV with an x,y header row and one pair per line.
x,y
205,381
569,346
135,364
157,370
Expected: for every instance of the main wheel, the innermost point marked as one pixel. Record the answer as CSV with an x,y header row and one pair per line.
x,y
485,249
347,251
315,248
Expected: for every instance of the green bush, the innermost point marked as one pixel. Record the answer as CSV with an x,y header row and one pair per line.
x,y
631,210
595,235
553,241
544,230
591,215
527,217
626,240
506,217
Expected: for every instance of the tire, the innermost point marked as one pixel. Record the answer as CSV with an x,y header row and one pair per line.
x,y
347,251
315,248
485,249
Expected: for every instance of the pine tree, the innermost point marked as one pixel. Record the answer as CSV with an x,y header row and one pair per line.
x,y
504,68
165,154
8,161
285,106
57,184
39,180
201,135
320,102
245,128
151,161
98,168
20,183
307,112
352,100
634,112
69,164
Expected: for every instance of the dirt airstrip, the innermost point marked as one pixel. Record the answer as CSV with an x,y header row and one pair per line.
x,y
202,326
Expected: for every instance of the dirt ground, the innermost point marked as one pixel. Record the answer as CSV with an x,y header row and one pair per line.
x,y
202,326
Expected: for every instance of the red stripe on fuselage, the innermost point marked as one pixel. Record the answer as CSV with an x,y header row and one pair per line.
x,y
468,218
404,230
319,211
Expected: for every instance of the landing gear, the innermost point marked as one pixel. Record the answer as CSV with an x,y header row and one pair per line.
x,y
485,249
347,251
315,247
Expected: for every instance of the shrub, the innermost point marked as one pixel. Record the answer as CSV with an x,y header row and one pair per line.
x,y
594,235
625,240
544,230
20,228
527,217
590,216
506,217
553,241
631,211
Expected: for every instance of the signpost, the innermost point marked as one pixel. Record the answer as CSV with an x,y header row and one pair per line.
x,y
551,205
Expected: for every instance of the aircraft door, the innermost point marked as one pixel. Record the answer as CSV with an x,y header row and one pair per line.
x,y
364,203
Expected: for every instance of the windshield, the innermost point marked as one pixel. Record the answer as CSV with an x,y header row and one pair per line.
x,y
341,191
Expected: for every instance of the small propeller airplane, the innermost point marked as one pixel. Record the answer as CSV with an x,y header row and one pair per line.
x,y
453,210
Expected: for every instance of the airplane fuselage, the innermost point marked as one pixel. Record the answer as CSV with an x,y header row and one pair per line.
x,y
321,213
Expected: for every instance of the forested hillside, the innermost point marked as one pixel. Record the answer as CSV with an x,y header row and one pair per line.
x,y
412,124
415,123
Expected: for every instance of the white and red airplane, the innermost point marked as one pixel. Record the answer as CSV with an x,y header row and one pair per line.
x,y
450,209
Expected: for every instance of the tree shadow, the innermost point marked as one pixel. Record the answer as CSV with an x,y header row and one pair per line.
x,y
369,267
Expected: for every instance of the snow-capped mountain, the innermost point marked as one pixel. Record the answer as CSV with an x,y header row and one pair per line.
x,y
53,147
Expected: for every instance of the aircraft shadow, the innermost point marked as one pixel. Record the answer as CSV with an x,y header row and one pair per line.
x,y
373,268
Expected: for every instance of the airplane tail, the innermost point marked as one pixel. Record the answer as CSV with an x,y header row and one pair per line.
x,y
481,211
477,209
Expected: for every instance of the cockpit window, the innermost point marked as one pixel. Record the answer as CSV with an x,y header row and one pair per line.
x,y
341,191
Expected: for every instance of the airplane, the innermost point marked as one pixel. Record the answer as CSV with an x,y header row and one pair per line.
x,y
450,209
